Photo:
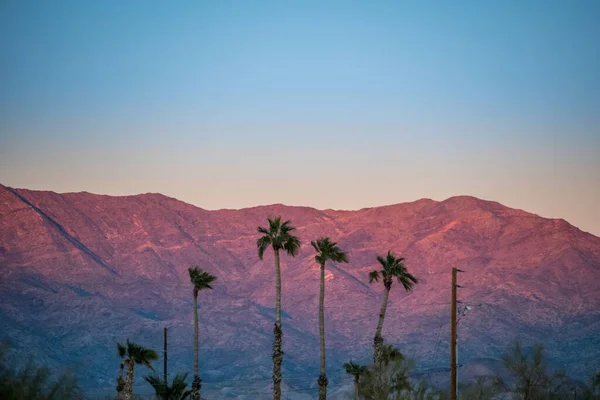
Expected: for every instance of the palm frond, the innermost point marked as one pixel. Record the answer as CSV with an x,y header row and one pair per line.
x,y
393,266
274,224
315,245
373,276
286,227
407,280
262,230
390,353
278,236
262,244
291,245
122,350
328,250
354,369
200,278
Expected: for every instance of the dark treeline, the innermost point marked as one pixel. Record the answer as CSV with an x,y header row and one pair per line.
x,y
390,376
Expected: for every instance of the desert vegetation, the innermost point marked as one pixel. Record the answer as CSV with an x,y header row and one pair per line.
x,y
390,376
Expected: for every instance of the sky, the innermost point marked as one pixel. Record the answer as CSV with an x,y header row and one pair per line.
x,y
330,104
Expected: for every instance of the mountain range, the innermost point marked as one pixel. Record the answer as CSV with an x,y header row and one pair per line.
x,y
81,272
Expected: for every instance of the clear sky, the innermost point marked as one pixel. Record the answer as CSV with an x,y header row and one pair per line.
x,y
331,104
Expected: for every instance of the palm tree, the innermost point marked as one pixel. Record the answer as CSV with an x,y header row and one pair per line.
x,y
392,267
355,370
278,236
326,250
201,281
120,380
132,354
176,391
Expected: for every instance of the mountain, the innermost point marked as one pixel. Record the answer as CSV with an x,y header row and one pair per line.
x,y
82,271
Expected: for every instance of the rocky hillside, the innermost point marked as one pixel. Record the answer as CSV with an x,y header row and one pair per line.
x,y
82,271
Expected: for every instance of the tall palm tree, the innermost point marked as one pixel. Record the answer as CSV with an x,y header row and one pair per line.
x,y
201,281
175,391
278,236
326,251
392,267
355,370
132,354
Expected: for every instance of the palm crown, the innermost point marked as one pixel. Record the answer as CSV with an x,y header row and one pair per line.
x,y
136,353
393,267
200,279
328,250
175,391
354,369
277,235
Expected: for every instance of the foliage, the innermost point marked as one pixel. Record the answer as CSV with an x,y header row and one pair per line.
x,y
200,279
175,391
393,267
28,381
389,380
279,236
354,369
484,388
138,354
328,251
533,379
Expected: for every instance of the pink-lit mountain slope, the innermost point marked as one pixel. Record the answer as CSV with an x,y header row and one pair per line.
x,y
82,271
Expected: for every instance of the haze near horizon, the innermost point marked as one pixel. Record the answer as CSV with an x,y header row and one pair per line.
x,y
341,105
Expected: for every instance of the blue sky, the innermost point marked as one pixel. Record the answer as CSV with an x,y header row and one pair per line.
x,y
332,104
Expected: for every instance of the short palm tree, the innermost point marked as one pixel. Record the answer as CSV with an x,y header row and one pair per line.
x,y
278,236
120,380
356,370
201,281
326,251
392,267
389,379
175,391
132,354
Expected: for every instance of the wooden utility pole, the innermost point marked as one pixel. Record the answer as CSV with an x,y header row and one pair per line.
x,y
453,339
165,358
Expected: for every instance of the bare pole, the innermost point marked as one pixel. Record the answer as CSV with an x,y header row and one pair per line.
x,y
453,339
165,357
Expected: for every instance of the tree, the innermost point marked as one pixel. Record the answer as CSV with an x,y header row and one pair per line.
x,y
133,354
175,391
24,380
326,251
533,379
484,388
389,379
278,236
120,380
356,370
202,281
392,267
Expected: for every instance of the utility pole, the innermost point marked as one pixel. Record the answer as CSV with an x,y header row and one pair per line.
x,y
453,361
165,358
453,339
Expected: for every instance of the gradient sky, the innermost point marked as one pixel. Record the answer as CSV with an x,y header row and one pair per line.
x,y
331,104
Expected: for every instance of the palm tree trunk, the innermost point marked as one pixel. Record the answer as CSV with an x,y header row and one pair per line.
x,y
278,341
129,381
323,377
120,383
378,340
356,387
196,381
